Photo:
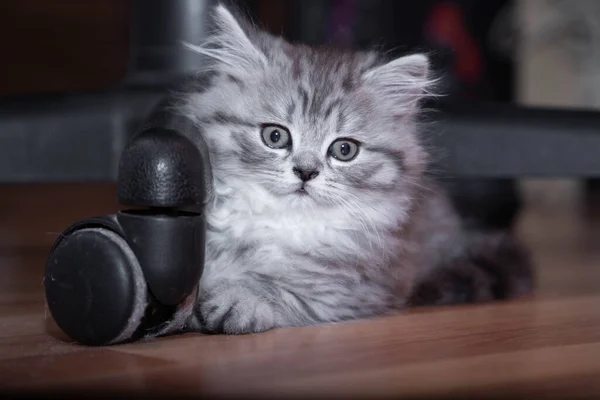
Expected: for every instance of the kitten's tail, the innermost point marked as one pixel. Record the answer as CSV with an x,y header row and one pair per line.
x,y
494,266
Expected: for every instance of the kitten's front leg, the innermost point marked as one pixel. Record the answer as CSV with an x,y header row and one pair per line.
x,y
237,307
257,302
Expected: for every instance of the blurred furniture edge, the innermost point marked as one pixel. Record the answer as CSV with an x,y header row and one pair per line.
x,y
75,138
58,137
79,138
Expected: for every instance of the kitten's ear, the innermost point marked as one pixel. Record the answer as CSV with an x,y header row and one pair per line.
x,y
404,81
230,43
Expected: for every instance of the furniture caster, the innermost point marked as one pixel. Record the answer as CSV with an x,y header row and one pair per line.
x,y
120,277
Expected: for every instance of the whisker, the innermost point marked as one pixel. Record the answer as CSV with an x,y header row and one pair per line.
x,y
356,204
348,208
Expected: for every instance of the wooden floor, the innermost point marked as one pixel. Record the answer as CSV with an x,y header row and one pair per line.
x,y
545,347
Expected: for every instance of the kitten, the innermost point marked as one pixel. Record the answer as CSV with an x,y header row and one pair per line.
x,y
321,209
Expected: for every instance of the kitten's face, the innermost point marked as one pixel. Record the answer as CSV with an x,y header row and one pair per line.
x,y
311,140
315,127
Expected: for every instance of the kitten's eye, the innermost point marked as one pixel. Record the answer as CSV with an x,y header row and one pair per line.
x,y
344,149
275,136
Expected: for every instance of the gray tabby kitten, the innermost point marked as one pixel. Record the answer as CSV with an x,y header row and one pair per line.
x,y
321,210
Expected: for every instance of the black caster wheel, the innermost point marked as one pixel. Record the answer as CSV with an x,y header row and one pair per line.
x,y
120,277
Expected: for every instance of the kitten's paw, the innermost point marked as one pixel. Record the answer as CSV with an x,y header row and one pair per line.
x,y
235,309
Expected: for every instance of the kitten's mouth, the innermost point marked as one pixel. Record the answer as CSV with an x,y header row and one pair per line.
x,y
301,191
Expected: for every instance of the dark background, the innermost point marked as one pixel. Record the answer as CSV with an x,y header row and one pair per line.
x,y
59,47
72,45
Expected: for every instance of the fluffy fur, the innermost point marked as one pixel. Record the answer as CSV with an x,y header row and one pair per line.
x,y
364,237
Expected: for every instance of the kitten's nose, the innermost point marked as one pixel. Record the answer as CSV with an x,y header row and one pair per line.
x,y
305,174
